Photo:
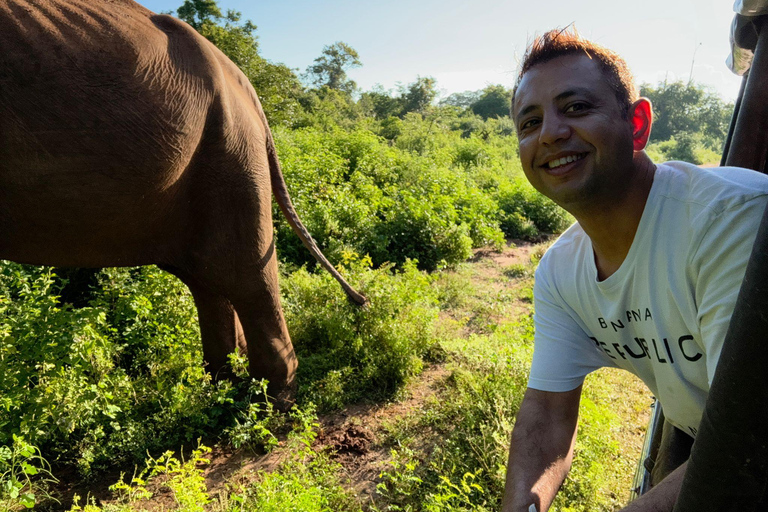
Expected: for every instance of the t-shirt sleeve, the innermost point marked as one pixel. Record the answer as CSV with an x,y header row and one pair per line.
x,y
563,354
721,261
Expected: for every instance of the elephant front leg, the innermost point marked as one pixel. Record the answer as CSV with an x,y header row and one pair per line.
x,y
220,330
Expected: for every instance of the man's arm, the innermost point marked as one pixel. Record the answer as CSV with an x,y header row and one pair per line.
x,y
541,450
663,496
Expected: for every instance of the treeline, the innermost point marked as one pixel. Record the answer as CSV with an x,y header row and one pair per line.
x,y
690,121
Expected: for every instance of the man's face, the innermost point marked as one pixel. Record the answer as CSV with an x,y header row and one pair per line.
x,y
575,144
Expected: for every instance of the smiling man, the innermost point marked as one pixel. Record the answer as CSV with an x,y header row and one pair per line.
x,y
646,280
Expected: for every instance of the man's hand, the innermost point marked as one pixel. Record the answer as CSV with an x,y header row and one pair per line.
x,y
541,450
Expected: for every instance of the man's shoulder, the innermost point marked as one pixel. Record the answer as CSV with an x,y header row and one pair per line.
x,y
714,188
565,251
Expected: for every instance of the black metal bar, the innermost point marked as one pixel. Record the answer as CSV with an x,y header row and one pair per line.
x,y
642,480
749,144
734,118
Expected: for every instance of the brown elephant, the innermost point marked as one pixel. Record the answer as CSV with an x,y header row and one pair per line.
x,y
126,139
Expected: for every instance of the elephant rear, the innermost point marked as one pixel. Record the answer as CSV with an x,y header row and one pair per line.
x,y
102,108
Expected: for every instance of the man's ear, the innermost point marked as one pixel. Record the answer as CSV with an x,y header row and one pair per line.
x,y
642,118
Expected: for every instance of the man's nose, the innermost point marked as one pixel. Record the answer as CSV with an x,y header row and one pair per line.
x,y
553,129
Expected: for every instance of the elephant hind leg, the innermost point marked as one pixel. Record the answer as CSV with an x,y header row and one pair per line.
x,y
220,329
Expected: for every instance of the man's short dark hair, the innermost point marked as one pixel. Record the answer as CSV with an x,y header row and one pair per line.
x,y
560,42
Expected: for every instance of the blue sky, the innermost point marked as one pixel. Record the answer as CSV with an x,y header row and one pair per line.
x,y
468,45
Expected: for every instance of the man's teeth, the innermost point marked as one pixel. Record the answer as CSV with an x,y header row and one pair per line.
x,y
565,160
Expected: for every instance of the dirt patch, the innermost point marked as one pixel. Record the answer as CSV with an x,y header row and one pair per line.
x,y
354,436
352,440
516,252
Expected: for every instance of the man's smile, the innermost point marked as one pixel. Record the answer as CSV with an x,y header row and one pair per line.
x,y
561,164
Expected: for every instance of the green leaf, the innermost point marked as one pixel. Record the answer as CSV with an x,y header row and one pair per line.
x,y
29,469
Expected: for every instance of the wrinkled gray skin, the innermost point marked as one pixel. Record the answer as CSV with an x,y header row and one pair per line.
x,y
128,139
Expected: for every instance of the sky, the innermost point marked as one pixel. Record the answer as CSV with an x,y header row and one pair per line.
x,y
469,45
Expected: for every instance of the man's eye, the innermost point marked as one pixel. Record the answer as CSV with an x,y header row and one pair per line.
x,y
530,123
575,107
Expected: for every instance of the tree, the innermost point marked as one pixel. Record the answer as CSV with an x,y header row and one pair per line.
x,y
380,103
461,99
199,12
419,95
278,87
330,68
495,101
237,40
688,108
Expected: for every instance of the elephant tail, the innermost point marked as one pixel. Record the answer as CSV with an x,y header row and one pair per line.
x,y
284,201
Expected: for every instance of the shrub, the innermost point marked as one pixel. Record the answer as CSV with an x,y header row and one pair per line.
x,y
527,213
470,152
24,475
684,146
414,229
355,192
348,353
104,383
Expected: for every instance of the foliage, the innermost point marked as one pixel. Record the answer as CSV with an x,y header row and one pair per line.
x,y
348,354
307,480
103,383
183,478
24,475
385,201
330,68
419,95
461,99
416,97
495,101
686,147
380,104
517,270
527,213
254,425
472,419
278,86
688,108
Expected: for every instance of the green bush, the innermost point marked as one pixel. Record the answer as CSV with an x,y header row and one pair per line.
x,y
347,353
98,385
684,146
527,213
424,231
354,191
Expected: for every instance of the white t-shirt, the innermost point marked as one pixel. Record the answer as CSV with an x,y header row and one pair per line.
x,y
664,313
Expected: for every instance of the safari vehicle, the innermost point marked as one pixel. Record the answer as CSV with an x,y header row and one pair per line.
x,y
728,467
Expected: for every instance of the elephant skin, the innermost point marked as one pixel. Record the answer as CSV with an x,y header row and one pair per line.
x,y
126,139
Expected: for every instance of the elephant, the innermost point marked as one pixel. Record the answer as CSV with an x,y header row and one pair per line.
x,y
127,139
